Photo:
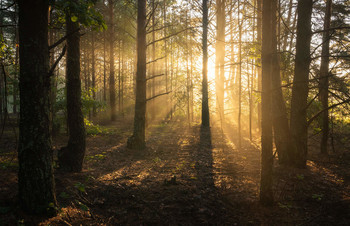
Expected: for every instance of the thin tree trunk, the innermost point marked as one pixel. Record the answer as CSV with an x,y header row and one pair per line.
x,y
104,67
93,75
111,60
239,22
259,41
220,58
324,78
205,104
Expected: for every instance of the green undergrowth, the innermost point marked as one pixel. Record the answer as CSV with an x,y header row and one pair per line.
x,y
94,129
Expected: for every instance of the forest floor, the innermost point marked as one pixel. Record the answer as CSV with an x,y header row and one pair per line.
x,y
182,179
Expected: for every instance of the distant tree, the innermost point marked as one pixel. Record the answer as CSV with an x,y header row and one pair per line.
x,y
35,175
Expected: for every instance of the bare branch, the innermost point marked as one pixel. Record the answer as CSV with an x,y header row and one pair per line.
x,y
151,98
62,39
154,76
169,36
326,109
52,69
155,60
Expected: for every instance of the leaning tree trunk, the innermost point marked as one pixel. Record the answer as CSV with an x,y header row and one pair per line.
x,y
266,192
298,120
280,118
205,104
137,140
35,176
71,157
324,77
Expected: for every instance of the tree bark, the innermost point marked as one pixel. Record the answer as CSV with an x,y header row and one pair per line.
x,y
298,121
266,192
137,140
112,99
205,104
35,176
71,157
220,58
280,118
324,77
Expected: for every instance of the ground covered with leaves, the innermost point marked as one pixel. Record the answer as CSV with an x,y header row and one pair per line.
x,y
186,176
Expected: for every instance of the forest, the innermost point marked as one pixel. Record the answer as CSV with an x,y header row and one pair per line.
x,y
174,112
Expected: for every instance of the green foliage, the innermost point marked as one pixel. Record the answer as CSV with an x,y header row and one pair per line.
x,y
92,129
4,209
89,103
96,157
64,195
81,11
300,176
82,206
317,197
80,187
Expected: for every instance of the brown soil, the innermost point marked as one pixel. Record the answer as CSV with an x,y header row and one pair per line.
x,y
182,179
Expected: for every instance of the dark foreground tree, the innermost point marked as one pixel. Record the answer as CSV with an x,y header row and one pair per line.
x,y
71,157
298,120
205,104
266,194
137,140
35,176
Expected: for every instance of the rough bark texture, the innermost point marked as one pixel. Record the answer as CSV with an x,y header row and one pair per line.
x,y
266,192
137,140
205,104
279,112
324,77
298,121
71,157
112,99
35,176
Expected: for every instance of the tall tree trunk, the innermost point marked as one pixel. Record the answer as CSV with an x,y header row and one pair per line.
x,y
137,140
111,60
280,118
239,22
258,62
205,101
71,157
104,67
93,74
266,192
298,121
324,77
35,176
220,58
